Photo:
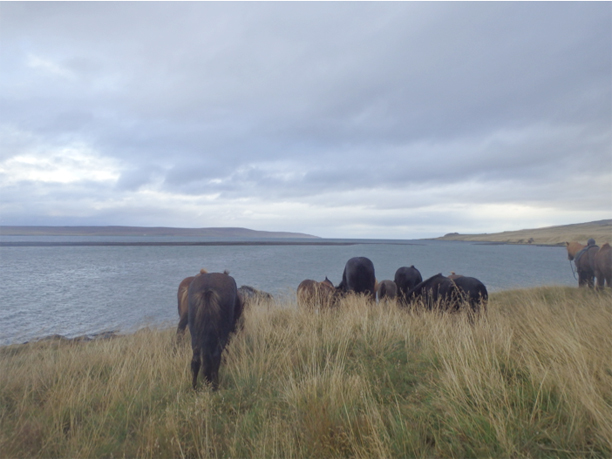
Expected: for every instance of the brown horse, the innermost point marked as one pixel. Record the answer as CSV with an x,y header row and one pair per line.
x,y
312,294
583,258
183,302
215,309
602,264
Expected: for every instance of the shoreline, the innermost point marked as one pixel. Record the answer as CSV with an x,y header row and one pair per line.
x,y
263,243
105,335
192,243
159,243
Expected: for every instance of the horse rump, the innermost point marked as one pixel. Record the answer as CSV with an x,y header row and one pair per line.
x,y
436,293
359,277
386,290
472,292
602,262
406,278
312,294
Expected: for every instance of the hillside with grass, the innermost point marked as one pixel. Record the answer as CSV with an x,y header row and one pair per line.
x,y
601,231
532,378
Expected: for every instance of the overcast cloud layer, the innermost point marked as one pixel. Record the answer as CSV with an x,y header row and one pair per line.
x,y
383,120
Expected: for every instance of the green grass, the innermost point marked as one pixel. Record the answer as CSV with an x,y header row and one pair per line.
x,y
531,379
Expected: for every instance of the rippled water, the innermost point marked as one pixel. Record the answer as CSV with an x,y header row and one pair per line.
x,y
85,290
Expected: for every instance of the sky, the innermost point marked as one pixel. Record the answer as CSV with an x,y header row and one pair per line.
x,y
394,120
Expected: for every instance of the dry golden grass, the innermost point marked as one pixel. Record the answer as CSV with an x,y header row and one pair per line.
x,y
600,231
531,379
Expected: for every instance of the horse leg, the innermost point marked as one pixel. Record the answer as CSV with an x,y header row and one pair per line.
x,y
212,362
214,373
591,281
182,325
196,361
599,280
180,331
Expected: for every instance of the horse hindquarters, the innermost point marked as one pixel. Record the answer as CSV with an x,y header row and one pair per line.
x,y
603,266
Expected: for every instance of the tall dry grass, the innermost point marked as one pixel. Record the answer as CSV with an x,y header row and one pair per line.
x,y
531,379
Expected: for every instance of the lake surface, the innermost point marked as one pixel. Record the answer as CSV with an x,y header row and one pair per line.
x,y
74,290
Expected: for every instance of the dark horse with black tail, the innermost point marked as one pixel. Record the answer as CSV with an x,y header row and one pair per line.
x,y
359,277
438,292
473,292
214,310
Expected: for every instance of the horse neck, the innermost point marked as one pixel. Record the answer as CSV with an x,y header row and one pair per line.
x,y
573,248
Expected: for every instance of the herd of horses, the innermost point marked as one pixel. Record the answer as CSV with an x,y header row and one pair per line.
x,y
592,262
211,304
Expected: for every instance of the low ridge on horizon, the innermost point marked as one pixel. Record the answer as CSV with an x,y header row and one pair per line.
x,y
117,230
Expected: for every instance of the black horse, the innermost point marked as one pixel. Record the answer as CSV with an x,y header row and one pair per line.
x,y
214,310
359,277
473,292
438,292
405,279
249,294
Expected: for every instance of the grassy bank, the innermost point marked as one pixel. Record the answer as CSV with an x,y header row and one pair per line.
x,y
601,231
532,379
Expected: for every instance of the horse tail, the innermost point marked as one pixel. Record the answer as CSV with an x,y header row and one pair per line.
x,y
207,309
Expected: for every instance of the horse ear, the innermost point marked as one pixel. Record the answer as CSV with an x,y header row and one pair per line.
x,y
566,244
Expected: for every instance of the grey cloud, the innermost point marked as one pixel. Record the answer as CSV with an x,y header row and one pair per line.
x,y
309,101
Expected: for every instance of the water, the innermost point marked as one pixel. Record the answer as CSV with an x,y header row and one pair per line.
x,y
77,290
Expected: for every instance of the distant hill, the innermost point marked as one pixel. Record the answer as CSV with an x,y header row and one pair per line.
x,y
601,231
145,231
